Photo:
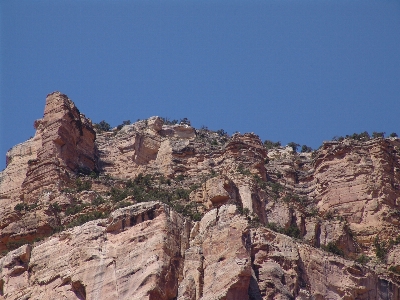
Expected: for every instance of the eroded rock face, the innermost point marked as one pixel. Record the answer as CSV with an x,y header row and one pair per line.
x,y
338,198
356,183
67,145
289,270
360,183
217,264
136,254
215,192
18,159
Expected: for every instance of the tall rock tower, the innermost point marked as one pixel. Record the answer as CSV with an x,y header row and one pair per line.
x,y
68,145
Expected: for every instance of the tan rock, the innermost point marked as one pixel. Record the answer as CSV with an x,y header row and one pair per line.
x,y
215,192
289,270
136,254
218,264
67,145
18,159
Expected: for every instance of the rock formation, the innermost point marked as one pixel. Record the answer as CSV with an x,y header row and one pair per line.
x,y
158,210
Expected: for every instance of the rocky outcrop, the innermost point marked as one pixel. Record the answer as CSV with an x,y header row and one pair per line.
x,y
269,222
67,146
215,192
136,254
352,183
286,269
217,264
18,159
361,183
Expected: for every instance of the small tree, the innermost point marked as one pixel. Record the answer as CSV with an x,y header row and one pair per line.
x,y
184,121
363,136
393,134
294,146
306,149
378,135
103,126
167,121
221,132
380,248
270,144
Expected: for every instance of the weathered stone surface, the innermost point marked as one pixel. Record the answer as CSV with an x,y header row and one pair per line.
x,y
67,145
18,159
215,192
136,254
286,269
218,264
355,182
339,197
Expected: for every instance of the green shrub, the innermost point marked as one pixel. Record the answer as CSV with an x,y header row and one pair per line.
x,y
82,185
333,248
364,136
292,231
243,211
276,189
102,126
222,132
214,142
98,201
306,149
184,121
363,259
74,209
243,171
81,219
58,228
94,175
378,135
294,146
21,206
118,194
273,226
189,210
381,248
25,207
338,138
55,207
181,194
14,244
260,183
122,204
167,121
270,144
180,177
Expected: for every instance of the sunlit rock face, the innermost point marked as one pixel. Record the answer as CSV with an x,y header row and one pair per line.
x,y
67,145
161,210
136,254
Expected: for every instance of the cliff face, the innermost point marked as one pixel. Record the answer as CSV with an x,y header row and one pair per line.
x,y
67,144
159,211
135,254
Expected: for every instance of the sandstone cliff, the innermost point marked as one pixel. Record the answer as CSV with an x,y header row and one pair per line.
x,y
166,211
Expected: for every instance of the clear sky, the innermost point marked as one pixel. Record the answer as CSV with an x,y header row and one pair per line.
x,y
301,71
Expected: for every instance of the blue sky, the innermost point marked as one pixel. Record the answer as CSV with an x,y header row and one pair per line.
x,y
301,71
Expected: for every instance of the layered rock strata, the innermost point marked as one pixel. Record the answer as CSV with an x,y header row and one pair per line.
x,y
343,198
136,254
67,145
